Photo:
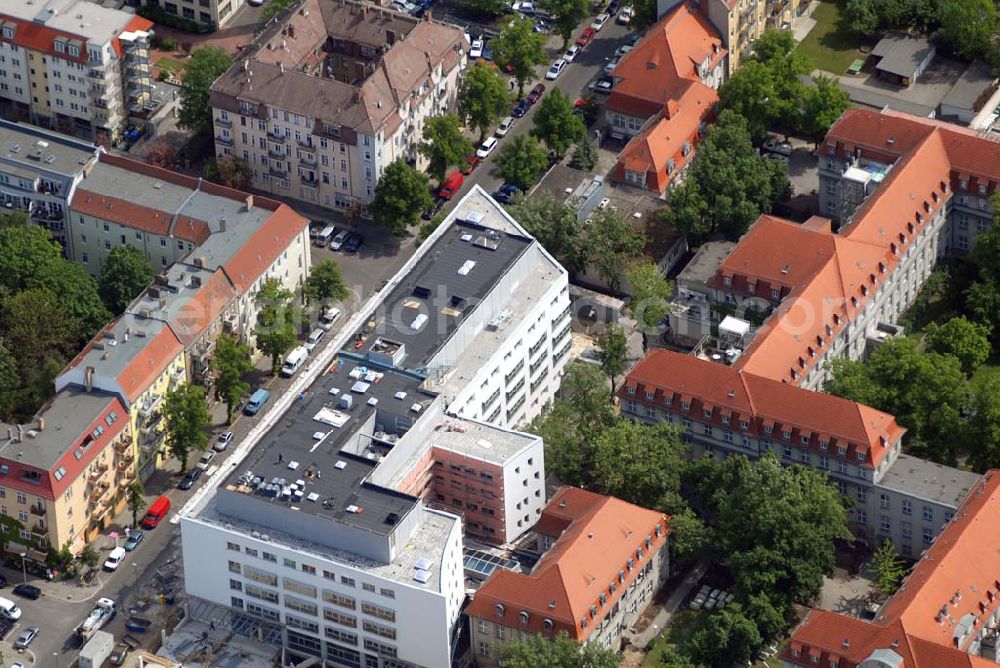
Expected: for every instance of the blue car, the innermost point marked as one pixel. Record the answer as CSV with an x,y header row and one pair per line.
x,y
521,108
354,242
505,194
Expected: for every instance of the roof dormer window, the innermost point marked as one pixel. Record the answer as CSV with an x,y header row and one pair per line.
x,y
499,609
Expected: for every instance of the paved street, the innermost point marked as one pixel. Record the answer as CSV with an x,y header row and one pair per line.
x,y
573,81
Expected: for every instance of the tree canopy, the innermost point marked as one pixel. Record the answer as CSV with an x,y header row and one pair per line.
x,y
968,27
868,17
483,97
521,160
556,124
651,294
444,144
401,194
125,274
519,49
566,15
613,353
231,363
555,226
535,651
205,66
276,321
887,568
612,245
960,337
325,283
185,419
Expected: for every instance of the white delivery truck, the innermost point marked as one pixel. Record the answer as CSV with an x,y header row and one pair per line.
x,y
294,361
97,650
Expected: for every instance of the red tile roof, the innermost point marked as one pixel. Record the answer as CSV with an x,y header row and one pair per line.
x,y
264,246
37,37
651,150
955,581
670,53
761,402
602,536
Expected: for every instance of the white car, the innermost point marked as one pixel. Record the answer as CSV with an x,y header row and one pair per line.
x,y
330,316
505,126
527,8
625,16
115,558
339,240
556,69
571,53
622,50
599,21
610,67
604,203
206,460
225,438
486,148
477,49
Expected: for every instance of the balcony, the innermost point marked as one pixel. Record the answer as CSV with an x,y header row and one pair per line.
x,y
39,529
149,406
276,154
310,183
224,123
306,146
123,446
277,139
38,511
224,141
307,160
278,172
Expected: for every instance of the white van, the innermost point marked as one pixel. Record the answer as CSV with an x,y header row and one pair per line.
x,y
314,338
294,361
324,236
9,609
330,316
115,558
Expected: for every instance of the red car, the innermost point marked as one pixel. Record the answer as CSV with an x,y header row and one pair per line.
x,y
471,163
584,39
536,93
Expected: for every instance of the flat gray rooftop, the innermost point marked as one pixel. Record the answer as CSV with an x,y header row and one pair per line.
x,y
76,17
706,261
928,480
448,282
333,448
19,147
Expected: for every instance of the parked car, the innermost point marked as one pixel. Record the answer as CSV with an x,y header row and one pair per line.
x,y
599,21
571,53
614,6
525,7
584,39
115,559
505,193
206,460
338,241
610,66
354,242
3,580
470,164
312,341
330,316
555,70
221,443
536,93
134,539
27,591
625,17
25,638
187,482
775,145
776,157
622,50
504,127
520,109
541,27
601,85
486,148
476,51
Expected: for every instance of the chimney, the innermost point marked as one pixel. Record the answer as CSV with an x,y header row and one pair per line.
x,y
163,302
89,378
249,203
281,66
128,330
41,423
222,221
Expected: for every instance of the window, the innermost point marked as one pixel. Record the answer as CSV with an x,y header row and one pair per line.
x,y
340,618
884,524
883,502
234,567
928,536
382,630
907,507
928,514
344,580
339,599
378,611
299,587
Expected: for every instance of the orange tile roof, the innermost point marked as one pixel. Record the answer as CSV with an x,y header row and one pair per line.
x,y
956,580
762,402
37,37
670,52
124,212
603,534
264,246
651,150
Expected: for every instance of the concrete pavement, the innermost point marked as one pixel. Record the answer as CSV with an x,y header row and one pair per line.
x,y
666,613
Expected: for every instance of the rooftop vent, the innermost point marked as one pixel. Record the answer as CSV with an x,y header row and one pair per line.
x,y
489,240
475,217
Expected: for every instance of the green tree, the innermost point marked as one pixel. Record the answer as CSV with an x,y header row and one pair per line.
x,y
444,144
584,156
15,218
276,321
185,419
775,527
555,226
205,66
639,463
773,45
969,27
88,557
863,16
887,568
751,93
325,283
960,337
521,160
823,103
556,124
135,492
231,363
566,15
125,274
519,49
536,651
483,97
612,244
728,638
688,534
613,353
234,172
401,194
687,212
578,414
486,7
272,9
650,293
10,380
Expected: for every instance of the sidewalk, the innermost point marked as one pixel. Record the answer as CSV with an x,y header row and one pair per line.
x,y
663,618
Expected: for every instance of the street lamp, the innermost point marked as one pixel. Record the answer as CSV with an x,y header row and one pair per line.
x,y
24,566
135,574
56,654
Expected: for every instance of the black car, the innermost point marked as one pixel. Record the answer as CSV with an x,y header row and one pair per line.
x,y
27,591
3,580
354,242
520,109
614,7
187,482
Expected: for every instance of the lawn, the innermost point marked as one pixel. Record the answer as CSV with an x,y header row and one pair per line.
x,y
683,626
175,67
830,45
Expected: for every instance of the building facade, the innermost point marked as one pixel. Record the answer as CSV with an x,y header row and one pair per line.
x,y
603,561
74,66
330,94
740,22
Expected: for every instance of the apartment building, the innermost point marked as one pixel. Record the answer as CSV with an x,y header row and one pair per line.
x,y
603,561
63,476
331,93
727,411
216,246
74,66
39,171
740,22
356,498
945,613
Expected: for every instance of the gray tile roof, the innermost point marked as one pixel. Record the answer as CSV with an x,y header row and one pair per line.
x,y
901,54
